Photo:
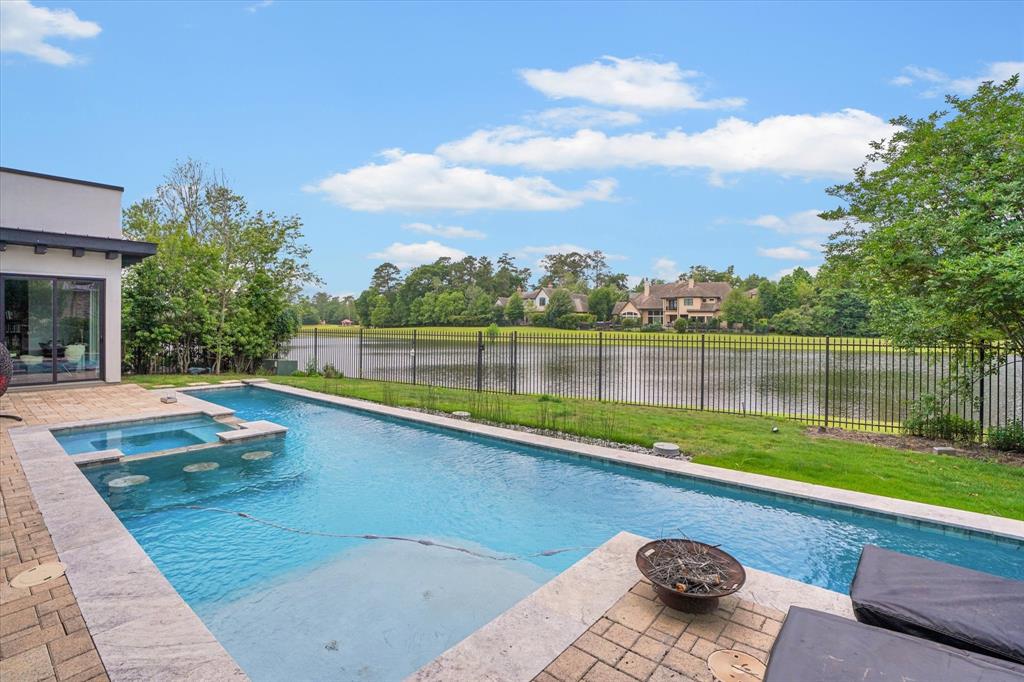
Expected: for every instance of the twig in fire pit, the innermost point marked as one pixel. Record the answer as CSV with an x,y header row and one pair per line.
x,y
688,567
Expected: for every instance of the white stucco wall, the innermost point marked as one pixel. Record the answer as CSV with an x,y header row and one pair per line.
x,y
32,203
22,260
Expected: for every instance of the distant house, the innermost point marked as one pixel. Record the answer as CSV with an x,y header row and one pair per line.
x,y
346,322
665,303
538,300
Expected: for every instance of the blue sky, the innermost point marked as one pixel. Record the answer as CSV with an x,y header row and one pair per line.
x,y
663,134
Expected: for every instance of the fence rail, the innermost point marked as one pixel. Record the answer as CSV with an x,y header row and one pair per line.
x,y
851,383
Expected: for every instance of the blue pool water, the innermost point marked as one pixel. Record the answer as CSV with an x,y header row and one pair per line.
x,y
302,607
136,438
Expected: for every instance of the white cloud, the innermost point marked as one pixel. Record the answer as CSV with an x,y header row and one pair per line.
x,y
829,144
802,222
257,6
666,269
938,83
813,269
407,182
449,231
633,83
411,255
25,28
785,253
583,117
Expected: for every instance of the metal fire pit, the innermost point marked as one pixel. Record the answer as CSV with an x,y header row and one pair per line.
x,y
705,602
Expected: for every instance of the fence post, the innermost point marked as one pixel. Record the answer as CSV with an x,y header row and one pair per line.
x,y
600,365
827,362
515,362
360,352
702,371
981,392
479,361
413,354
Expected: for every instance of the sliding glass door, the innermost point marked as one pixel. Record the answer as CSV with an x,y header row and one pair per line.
x,y
53,328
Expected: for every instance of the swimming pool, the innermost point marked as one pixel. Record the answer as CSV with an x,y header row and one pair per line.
x,y
305,607
134,438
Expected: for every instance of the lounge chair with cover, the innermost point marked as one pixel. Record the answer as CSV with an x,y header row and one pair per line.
x,y
820,647
937,601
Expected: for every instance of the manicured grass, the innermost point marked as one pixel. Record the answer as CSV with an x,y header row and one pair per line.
x,y
711,340
728,441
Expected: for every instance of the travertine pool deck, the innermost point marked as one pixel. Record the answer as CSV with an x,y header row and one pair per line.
x,y
133,617
108,627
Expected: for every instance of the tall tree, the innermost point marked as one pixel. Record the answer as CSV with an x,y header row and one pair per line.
x,y
385,278
601,302
515,310
934,223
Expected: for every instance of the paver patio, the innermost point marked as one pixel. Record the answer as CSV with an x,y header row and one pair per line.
x,y
42,633
640,639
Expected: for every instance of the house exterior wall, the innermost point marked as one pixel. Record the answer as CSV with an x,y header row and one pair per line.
x,y
34,203
52,205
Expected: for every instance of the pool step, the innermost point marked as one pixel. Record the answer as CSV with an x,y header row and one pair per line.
x,y
260,428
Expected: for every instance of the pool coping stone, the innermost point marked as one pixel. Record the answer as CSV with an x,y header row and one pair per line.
x,y
521,642
140,625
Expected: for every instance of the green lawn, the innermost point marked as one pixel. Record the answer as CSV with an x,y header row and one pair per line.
x,y
732,340
732,442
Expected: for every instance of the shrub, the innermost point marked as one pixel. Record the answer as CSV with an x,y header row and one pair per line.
x,y
332,372
492,331
1009,437
681,325
929,418
653,327
630,322
311,369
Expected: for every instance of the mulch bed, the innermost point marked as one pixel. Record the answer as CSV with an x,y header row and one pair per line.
x,y
918,444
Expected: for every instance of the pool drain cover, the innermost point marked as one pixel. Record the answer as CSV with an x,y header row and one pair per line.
x,y
257,454
128,481
201,466
729,665
37,575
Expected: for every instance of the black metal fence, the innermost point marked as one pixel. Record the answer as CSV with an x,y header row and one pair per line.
x,y
850,383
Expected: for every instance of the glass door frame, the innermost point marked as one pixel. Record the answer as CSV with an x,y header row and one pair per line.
x,y
55,281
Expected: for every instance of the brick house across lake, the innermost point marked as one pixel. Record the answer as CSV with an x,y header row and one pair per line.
x,y
665,303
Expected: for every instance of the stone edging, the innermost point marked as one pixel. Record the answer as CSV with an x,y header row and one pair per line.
x,y
141,626
903,511
522,641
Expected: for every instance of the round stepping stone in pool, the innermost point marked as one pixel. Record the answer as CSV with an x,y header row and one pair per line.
x,y
37,575
257,454
127,481
200,467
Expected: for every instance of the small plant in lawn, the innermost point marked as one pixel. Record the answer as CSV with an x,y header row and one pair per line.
x,y
1009,437
332,372
311,369
930,418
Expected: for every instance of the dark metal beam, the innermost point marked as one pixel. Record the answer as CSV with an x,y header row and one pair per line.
x,y
131,252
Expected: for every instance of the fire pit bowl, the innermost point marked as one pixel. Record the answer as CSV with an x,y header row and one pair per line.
x,y
656,558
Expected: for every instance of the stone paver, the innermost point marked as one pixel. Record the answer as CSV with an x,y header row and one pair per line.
x,y
42,633
640,639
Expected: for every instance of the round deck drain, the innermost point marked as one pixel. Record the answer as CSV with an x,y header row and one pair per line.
x,y
37,575
127,481
257,454
200,466
729,665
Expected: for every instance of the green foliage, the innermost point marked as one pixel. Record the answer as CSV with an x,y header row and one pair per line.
x,y
1009,437
311,368
492,331
221,286
601,302
559,306
515,310
934,224
794,321
739,308
332,372
929,417
381,315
